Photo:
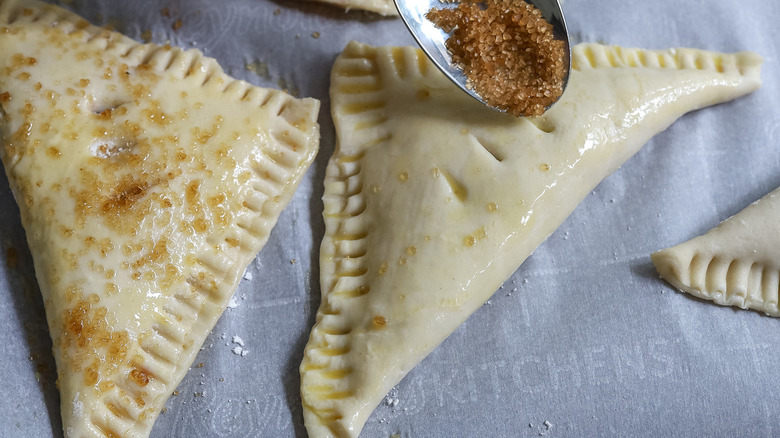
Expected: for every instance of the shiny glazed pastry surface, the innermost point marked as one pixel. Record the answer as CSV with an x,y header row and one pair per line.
x,y
147,180
432,200
383,7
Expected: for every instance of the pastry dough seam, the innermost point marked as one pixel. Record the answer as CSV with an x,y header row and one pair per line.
x,y
182,64
597,56
729,282
345,281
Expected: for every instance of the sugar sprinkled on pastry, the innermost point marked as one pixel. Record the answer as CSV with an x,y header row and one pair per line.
x,y
432,200
147,181
736,263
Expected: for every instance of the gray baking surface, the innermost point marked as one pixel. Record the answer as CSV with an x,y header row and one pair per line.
x,y
583,340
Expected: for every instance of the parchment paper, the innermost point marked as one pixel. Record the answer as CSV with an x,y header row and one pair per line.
x,y
583,340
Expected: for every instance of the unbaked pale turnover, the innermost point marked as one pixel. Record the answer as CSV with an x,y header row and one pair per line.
x,y
736,263
432,200
147,181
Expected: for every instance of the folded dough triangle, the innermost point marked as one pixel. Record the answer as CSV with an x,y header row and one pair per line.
x,y
147,181
736,263
432,201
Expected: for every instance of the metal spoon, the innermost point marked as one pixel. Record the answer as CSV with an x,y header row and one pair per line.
x,y
432,39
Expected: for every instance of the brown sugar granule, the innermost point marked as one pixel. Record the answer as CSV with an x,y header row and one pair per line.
x,y
507,51
11,257
140,377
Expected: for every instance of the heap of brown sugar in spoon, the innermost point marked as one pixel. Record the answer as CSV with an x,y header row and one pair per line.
x,y
507,51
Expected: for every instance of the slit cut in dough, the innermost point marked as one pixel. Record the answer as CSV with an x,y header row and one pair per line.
x,y
432,200
147,181
736,263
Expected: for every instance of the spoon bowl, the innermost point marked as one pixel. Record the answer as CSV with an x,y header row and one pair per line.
x,y
432,39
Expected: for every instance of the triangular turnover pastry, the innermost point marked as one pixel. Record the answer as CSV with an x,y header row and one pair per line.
x,y
147,181
432,201
736,263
